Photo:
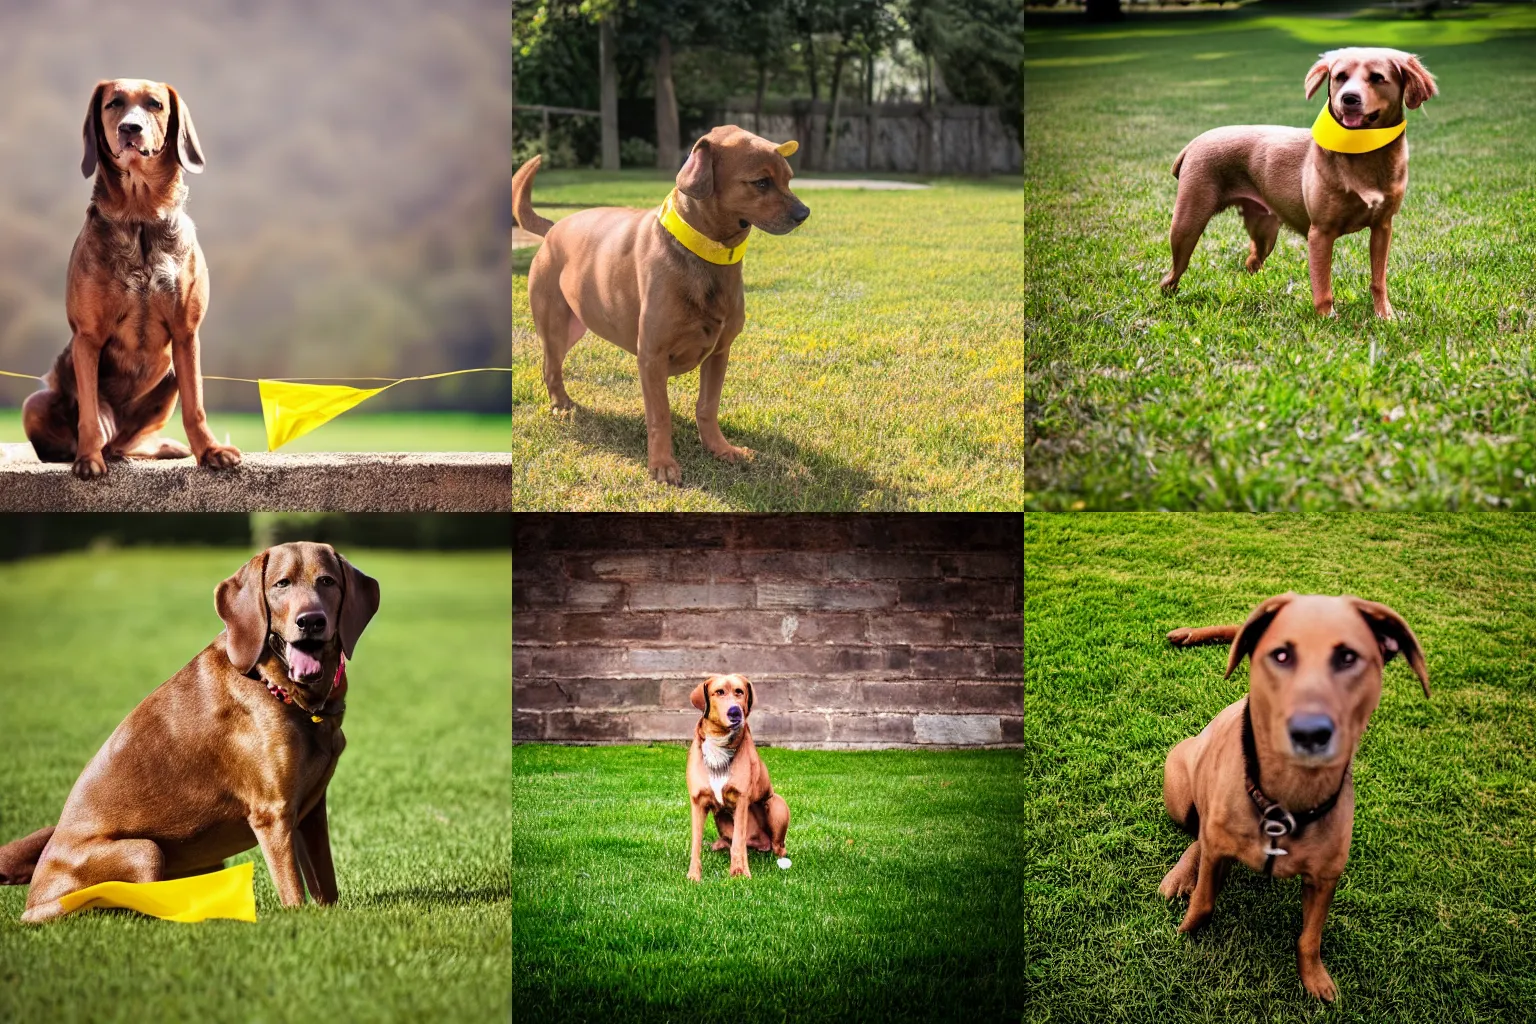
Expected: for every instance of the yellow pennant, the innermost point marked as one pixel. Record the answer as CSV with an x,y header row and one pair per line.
x,y
292,410
1331,135
228,893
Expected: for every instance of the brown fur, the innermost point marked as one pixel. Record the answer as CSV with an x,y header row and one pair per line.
x,y
618,273
750,814
1277,175
211,763
1294,645
137,291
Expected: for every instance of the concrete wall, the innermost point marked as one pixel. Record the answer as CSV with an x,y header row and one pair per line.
x,y
857,631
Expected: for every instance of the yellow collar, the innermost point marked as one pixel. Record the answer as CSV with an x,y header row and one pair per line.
x,y
695,241
1331,135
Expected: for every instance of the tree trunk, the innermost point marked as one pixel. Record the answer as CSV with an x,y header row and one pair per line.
x,y
869,111
829,147
609,84
1102,10
810,157
666,107
762,86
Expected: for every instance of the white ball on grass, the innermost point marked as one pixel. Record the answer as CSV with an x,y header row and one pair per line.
x,y
784,863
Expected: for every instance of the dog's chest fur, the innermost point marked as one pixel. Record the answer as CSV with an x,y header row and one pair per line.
x,y
717,761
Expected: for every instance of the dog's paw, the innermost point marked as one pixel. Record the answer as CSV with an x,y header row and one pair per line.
x,y
1179,637
665,470
219,456
1385,311
695,875
1172,888
1168,285
1319,983
562,407
741,872
731,453
90,466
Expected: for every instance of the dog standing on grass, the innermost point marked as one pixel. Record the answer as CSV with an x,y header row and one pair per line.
x,y
663,285
1348,173
1268,781
726,776
137,291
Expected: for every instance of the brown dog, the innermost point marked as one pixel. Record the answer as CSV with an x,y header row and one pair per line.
x,y
1268,781
1276,175
621,275
726,776
137,291
233,751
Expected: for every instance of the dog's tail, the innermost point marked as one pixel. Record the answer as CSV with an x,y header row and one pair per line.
x,y
522,200
19,857
1178,161
1190,637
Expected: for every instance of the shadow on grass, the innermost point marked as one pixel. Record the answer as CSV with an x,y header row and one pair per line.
x,y
429,897
784,475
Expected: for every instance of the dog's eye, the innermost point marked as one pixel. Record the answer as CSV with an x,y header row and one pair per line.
x,y
762,184
326,581
1281,655
1343,658
1341,77
115,102
153,105
284,582
1377,78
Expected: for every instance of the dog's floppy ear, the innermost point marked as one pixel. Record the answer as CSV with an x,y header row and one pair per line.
x,y
242,604
359,602
1418,83
92,132
744,679
1248,636
697,178
1395,637
1319,72
700,696
189,152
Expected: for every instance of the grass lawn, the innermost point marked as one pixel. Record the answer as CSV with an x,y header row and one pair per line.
x,y
350,432
879,367
1431,921
902,902
1234,394
420,809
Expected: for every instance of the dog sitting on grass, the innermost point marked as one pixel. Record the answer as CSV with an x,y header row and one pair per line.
x,y
726,776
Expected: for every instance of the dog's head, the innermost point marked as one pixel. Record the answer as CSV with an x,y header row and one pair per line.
x,y
302,605
724,700
745,177
1315,671
1368,86
133,124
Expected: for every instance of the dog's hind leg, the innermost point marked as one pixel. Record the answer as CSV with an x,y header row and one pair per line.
x,y
778,823
725,825
1180,879
1263,229
1192,211
559,330
139,426
50,420
19,857
111,860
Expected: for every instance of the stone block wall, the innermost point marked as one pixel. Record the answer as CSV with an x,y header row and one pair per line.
x,y
857,631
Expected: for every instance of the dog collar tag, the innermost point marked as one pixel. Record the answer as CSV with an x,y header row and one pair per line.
x,y
1334,137
1274,851
694,240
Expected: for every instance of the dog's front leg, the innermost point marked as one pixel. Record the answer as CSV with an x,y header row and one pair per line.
x,y
1316,896
1320,266
315,840
1381,241
711,383
695,862
1212,876
741,827
93,432
274,832
189,383
658,410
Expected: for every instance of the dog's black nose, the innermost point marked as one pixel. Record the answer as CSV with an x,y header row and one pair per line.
x,y
1350,99
130,128
1310,734
311,622
733,714
799,214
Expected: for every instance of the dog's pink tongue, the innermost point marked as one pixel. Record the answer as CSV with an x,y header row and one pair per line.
x,y
1353,120
302,664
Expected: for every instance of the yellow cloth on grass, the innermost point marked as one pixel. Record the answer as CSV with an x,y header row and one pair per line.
x,y
229,893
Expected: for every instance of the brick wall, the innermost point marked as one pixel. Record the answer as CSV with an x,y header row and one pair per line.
x,y
857,631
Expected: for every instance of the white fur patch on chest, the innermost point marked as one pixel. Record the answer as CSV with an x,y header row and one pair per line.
x,y
717,760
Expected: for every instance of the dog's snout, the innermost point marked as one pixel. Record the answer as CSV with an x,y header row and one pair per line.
x,y
1311,734
311,622
733,713
799,213
130,128
1350,99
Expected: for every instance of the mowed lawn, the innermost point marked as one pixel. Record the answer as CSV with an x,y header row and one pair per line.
x,y
350,432
901,904
1234,394
419,807
880,366
1432,920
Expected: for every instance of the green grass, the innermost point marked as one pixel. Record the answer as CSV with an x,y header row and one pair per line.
x,y
420,808
350,432
1432,919
879,367
902,902
1234,394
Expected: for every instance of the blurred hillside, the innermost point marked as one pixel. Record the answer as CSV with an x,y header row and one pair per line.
x,y
354,210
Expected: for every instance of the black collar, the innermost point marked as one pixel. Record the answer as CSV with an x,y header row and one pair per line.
x,y
1274,820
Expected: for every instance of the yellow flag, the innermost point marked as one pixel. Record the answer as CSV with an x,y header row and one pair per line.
x,y
228,893
292,410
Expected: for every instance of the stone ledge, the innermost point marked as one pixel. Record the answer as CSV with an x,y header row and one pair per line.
x,y
267,482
